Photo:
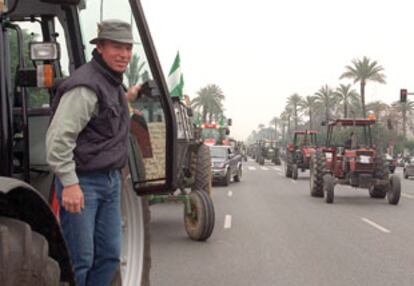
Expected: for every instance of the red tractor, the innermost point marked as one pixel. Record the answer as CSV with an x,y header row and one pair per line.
x,y
300,151
350,158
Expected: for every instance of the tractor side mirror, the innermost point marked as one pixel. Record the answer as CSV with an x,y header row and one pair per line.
x,y
229,122
227,131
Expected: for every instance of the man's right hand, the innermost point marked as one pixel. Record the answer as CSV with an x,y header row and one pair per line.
x,y
72,199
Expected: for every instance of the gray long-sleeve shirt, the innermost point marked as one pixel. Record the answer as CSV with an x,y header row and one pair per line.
x,y
73,113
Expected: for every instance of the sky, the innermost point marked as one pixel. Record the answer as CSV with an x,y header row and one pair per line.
x,y
260,52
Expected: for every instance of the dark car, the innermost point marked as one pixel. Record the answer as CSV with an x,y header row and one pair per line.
x,y
225,165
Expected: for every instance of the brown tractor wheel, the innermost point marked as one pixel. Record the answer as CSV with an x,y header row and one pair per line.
x,y
201,168
380,172
317,171
289,166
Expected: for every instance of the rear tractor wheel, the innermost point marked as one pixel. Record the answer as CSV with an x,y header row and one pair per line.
x,y
201,167
317,171
394,190
289,166
328,188
295,172
24,256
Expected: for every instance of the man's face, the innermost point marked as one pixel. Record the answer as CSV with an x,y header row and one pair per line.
x,y
116,55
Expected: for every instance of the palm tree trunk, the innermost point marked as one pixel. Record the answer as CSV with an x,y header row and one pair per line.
x,y
364,113
288,127
275,130
204,115
404,118
327,113
296,117
310,119
345,108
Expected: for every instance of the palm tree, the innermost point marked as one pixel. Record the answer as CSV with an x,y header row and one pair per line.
x,y
209,101
275,122
308,104
362,71
293,102
133,73
405,108
326,97
286,116
345,94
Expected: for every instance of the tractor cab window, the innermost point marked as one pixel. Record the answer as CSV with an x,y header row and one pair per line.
x,y
147,114
31,73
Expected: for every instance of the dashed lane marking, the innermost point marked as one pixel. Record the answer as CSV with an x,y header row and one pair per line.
x,y
293,181
227,222
375,225
405,195
264,168
230,193
251,168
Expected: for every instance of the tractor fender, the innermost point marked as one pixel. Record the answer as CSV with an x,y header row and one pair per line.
x,y
21,201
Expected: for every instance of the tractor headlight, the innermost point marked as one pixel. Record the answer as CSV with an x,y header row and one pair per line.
x,y
364,159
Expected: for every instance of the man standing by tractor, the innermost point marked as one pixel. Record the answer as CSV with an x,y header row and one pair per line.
x,y
87,147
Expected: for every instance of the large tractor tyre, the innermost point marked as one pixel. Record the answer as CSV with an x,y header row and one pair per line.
x,y
227,178
237,177
289,166
317,171
24,256
329,188
394,190
381,170
135,263
377,192
277,161
295,172
199,224
201,166
261,160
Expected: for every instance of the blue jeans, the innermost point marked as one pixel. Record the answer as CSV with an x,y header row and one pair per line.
x,y
94,236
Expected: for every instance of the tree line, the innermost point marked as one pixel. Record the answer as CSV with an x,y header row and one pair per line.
x,y
344,101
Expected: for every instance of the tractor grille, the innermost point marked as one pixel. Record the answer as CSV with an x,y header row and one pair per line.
x,y
368,168
365,153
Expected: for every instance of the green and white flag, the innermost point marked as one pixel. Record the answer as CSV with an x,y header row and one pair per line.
x,y
175,78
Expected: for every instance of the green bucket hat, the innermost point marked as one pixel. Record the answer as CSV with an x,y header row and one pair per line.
x,y
114,30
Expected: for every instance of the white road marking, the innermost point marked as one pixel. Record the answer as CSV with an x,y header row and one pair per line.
x,y
405,195
293,181
264,168
227,222
377,226
251,168
230,193
277,168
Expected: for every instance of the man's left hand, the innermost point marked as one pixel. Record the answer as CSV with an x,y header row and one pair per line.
x,y
133,92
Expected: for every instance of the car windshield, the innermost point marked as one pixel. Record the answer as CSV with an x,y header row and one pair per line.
x,y
218,152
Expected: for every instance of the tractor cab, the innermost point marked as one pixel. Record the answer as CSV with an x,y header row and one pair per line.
x,y
349,146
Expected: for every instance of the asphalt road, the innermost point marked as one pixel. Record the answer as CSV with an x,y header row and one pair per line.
x,y
269,231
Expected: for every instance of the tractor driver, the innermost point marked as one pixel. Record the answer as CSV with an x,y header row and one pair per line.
x,y
351,142
87,144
